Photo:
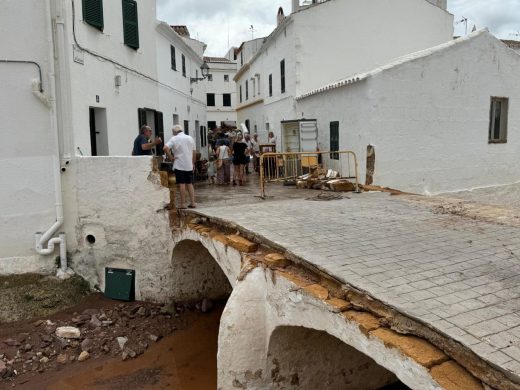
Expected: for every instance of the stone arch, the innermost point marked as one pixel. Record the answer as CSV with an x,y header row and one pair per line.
x,y
197,274
305,358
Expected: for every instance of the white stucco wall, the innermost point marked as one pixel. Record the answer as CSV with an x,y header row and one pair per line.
x,y
280,106
332,40
95,79
119,201
218,86
177,96
339,38
27,190
428,118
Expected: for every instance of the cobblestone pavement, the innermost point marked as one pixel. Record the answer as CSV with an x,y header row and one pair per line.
x,y
457,274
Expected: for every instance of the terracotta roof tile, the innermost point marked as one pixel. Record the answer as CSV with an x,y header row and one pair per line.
x,y
181,30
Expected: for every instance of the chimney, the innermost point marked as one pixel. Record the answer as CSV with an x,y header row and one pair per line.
x,y
280,17
295,5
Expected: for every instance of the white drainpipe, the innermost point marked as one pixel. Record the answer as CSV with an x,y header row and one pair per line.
x,y
45,238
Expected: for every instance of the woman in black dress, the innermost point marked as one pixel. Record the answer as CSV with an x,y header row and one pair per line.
x,y
240,159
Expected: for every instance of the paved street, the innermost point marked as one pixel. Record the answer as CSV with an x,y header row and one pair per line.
x,y
455,273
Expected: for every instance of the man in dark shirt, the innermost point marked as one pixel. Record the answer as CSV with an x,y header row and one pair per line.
x,y
143,144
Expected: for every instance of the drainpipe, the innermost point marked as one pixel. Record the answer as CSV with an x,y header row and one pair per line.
x,y
45,238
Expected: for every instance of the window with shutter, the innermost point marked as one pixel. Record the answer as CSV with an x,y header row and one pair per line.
x,y
282,76
130,25
173,59
226,100
210,99
334,140
93,13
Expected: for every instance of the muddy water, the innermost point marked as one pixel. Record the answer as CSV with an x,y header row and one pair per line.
x,y
185,360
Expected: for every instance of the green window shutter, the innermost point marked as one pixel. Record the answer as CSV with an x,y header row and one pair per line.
x,y
93,13
334,140
130,26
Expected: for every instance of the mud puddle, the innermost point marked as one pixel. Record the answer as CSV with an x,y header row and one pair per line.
x,y
185,360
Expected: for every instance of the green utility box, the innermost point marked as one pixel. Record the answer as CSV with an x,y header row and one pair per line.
x,y
120,284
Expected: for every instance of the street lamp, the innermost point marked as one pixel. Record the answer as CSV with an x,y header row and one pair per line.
x,y
204,68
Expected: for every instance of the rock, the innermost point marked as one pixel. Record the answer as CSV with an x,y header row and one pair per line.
x,y
153,337
106,323
128,353
44,360
102,317
86,345
95,322
11,343
121,341
83,356
207,305
3,367
68,332
27,347
90,312
50,329
62,359
38,323
168,309
143,312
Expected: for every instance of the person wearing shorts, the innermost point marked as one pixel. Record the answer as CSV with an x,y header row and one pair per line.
x,y
181,149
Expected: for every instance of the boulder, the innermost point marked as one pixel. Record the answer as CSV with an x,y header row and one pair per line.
x,y
68,332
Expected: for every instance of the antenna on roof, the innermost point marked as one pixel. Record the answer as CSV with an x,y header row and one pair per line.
x,y
465,21
252,32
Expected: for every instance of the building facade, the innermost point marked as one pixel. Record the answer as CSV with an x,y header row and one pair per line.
x,y
77,86
221,92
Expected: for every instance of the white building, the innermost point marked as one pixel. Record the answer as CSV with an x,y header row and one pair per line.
x,y
438,120
78,83
221,92
290,86
328,41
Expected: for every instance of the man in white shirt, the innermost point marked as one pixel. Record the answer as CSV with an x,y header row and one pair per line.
x,y
181,149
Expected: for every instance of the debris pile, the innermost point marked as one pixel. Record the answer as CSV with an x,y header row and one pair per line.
x,y
325,180
125,330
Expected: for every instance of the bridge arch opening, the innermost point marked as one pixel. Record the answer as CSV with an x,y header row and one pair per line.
x,y
305,358
196,274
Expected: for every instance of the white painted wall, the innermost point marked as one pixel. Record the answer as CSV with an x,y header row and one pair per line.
x,y
176,94
428,118
331,40
28,147
339,38
96,76
120,201
218,86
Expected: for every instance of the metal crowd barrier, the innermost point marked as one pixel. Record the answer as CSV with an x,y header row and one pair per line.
x,y
287,167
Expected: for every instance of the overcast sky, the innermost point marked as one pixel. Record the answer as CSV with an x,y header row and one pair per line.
x,y
214,21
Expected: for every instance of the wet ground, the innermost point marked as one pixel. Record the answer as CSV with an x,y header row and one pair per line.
x,y
187,359
503,196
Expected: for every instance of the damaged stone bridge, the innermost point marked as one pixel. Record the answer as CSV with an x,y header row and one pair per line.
x,y
356,293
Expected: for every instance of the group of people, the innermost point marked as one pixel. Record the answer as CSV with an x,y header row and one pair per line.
x,y
226,149
237,151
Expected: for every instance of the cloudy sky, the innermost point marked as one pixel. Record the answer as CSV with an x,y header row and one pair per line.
x,y
217,22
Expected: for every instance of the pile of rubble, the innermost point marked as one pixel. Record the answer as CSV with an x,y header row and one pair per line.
x,y
126,330
325,180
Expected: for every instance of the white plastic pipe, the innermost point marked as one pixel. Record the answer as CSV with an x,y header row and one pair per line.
x,y
45,238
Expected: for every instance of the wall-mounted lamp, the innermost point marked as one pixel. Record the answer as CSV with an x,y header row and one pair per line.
x,y
204,68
